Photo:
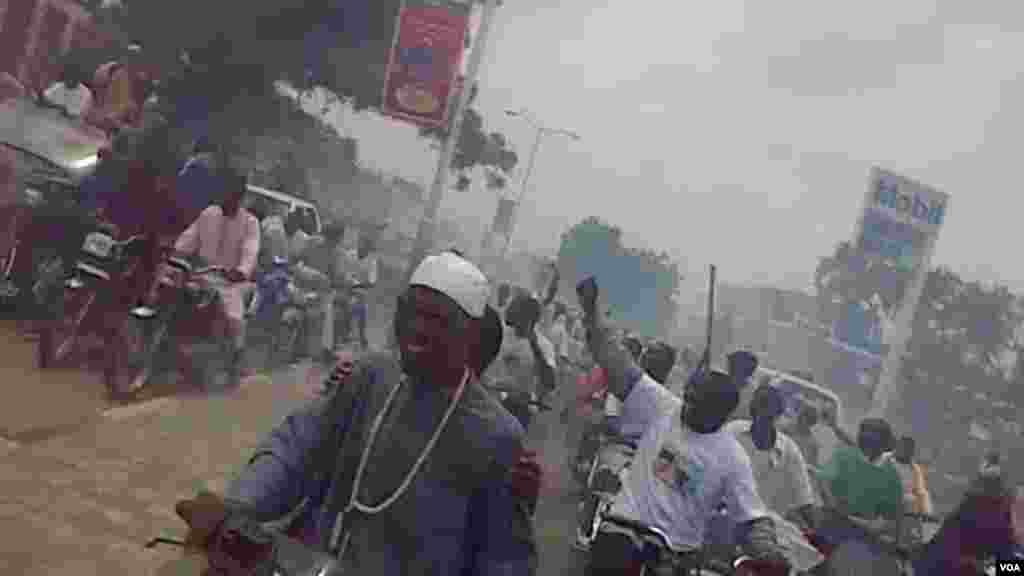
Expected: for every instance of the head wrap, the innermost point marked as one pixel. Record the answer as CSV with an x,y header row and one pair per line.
x,y
456,278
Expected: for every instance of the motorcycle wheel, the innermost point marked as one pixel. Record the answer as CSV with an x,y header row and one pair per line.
x,y
131,356
59,335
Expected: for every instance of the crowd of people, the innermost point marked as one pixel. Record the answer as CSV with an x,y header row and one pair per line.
x,y
442,441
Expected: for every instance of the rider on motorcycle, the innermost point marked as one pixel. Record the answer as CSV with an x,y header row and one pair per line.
x,y
781,473
861,487
685,463
228,235
462,512
658,360
527,358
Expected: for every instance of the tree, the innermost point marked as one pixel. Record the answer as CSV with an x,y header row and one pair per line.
x,y
639,285
240,51
963,333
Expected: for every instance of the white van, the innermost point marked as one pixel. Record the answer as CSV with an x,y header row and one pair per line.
x,y
311,223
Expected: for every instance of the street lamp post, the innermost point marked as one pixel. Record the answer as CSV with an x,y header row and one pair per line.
x,y
541,132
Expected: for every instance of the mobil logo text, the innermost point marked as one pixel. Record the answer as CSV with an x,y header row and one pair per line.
x,y
917,206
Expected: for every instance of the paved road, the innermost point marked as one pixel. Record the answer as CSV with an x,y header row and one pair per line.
x,y
82,499
42,404
83,503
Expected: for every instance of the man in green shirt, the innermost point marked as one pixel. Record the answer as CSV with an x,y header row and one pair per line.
x,y
861,486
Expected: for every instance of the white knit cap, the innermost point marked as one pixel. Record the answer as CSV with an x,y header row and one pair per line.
x,y
456,278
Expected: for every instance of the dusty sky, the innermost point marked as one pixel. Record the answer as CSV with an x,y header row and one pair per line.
x,y
742,132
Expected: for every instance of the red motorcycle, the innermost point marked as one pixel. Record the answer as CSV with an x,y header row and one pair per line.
x,y
88,304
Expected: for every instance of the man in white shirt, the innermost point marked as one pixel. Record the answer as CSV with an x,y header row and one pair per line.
x,y
781,474
686,464
526,359
366,269
228,235
70,95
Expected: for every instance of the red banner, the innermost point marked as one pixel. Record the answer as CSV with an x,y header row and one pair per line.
x,y
424,62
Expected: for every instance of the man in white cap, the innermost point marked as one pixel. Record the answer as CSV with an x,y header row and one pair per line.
x,y
410,467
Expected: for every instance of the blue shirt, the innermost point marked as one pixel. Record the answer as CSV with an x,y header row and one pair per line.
x,y
481,532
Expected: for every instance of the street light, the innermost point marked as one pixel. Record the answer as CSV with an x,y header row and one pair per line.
x,y
542,131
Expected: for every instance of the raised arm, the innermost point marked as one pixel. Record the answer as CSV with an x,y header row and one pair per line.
x,y
620,371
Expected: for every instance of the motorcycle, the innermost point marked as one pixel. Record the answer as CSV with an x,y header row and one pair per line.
x,y
276,312
346,299
246,545
660,557
876,552
603,481
186,310
90,297
523,405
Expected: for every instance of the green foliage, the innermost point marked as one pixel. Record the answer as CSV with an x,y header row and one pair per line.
x,y
961,329
638,284
243,48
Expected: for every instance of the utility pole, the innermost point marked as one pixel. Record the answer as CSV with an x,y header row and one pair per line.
x,y
428,224
541,132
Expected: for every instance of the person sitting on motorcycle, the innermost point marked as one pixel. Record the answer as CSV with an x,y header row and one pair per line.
x,y
781,473
365,274
658,360
635,347
742,365
527,359
227,235
979,528
325,258
466,511
801,430
860,486
915,487
686,463
273,237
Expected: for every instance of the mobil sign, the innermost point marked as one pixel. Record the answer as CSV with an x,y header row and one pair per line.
x,y
907,201
901,218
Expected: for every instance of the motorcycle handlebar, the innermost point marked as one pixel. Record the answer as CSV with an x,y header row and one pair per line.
x,y
210,270
244,540
518,394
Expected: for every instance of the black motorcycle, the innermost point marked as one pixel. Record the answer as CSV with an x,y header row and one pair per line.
x,y
184,311
523,405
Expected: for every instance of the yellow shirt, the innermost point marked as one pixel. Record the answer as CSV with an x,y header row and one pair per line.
x,y
915,489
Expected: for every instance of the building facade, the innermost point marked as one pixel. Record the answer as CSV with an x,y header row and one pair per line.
x,y
36,34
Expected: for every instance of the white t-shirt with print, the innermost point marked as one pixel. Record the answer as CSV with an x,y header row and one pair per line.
x,y
646,403
679,477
